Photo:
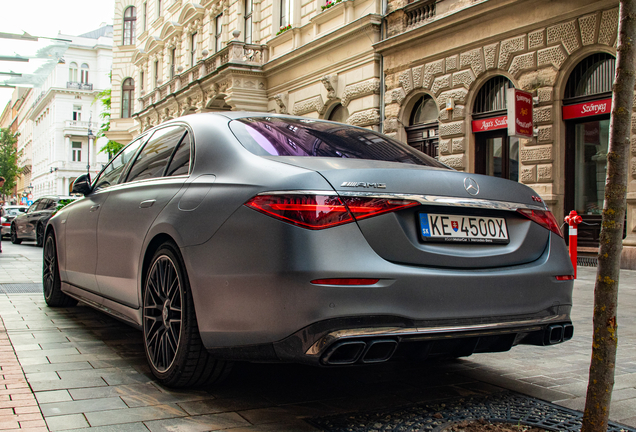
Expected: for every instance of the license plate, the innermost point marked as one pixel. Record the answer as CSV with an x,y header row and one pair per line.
x,y
460,228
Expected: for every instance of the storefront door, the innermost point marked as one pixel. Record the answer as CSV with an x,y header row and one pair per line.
x,y
497,154
585,172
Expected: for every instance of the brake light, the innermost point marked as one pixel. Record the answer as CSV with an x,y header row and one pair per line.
x,y
358,281
564,278
323,211
545,218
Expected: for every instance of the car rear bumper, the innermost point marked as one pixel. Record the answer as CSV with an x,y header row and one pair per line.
x,y
258,292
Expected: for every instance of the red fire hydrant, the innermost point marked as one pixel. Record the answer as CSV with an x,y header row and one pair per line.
x,y
573,220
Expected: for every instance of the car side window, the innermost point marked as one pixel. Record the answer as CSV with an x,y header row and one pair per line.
x,y
153,158
110,175
180,163
49,204
33,206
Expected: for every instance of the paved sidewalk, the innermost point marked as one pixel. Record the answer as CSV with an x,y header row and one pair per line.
x,y
88,372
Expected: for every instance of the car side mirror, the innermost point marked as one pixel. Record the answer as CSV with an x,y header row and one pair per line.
x,y
82,185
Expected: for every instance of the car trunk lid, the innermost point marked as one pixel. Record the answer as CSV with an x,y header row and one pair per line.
x,y
398,237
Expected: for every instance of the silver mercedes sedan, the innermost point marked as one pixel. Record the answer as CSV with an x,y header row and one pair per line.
x,y
270,238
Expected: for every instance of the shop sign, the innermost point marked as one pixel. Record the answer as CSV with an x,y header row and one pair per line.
x,y
519,104
494,123
587,109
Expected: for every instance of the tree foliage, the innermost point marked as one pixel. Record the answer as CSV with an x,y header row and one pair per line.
x,y
605,337
9,156
111,147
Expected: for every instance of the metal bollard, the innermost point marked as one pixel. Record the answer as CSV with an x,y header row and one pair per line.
x,y
573,220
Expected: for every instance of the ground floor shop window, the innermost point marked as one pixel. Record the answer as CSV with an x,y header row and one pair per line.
x,y
497,155
590,167
587,142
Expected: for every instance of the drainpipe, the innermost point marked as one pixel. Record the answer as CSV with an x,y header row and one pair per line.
x,y
382,30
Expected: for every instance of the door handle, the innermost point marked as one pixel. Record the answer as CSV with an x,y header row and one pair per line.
x,y
146,204
95,207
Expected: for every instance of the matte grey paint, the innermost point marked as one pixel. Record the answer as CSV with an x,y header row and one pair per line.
x,y
250,274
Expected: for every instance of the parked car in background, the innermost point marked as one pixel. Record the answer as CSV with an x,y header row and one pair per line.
x,y
263,237
10,212
30,224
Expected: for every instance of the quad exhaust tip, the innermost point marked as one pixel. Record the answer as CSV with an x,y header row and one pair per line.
x,y
350,352
558,333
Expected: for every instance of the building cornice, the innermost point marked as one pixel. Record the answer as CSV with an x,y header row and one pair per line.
x,y
51,93
339,36
447,25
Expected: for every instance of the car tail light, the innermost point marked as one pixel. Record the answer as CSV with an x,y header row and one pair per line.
x,y
349,281
323,211
545,218
564,278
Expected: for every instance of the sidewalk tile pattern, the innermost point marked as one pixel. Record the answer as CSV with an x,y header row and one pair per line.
x,y
88,371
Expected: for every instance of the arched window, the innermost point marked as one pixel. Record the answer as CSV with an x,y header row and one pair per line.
x,y
84,77
72,72
338,114
587,102
492,95
592,76
127,93
496,154
425,111
422,130
130,16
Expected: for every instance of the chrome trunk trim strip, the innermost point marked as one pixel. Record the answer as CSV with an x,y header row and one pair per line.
x,y
326,340
422,199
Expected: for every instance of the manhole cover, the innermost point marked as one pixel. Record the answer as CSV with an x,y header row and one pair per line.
x,y
21,288
500,407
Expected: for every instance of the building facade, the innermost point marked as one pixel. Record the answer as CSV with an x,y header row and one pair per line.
x,y
432,73
13,118
172,58
464,58
58,140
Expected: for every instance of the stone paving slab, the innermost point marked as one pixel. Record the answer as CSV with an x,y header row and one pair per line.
x,y
88,372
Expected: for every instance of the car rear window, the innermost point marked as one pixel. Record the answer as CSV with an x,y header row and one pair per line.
x,y
275,136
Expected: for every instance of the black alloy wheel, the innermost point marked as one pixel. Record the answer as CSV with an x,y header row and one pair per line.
x,y
39,235
14,235
163,317
172,342
51,283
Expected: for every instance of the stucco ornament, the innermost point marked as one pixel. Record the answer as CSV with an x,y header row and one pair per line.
x,y
358,90
314,104
281,101
331,84
368,117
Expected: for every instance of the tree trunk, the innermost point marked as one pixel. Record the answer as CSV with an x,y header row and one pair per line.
x,y
605,339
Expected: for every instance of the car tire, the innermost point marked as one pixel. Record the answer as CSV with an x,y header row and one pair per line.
x,y
14,236
39,235
51,283
172,343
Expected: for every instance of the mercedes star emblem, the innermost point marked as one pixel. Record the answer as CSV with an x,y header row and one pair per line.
x,y
471,186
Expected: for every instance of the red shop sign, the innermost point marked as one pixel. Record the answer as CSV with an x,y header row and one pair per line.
x,y
490,124
520,111
587,109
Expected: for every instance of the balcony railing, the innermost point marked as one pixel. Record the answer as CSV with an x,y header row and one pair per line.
x,y
236,52
418,12
79,86
76,124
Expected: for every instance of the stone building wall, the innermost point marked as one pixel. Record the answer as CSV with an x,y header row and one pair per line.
x,y
538,59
